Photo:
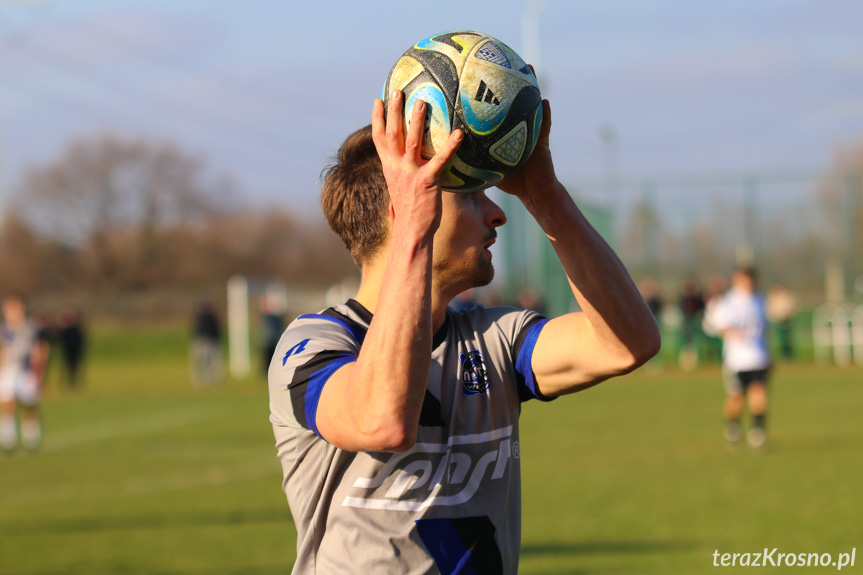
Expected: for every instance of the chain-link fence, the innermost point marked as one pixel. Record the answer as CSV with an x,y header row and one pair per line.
x,y
683,235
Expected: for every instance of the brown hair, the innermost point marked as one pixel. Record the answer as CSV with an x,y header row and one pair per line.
x,y
354,196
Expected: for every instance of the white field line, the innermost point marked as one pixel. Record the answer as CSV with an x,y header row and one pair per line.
x,y
249,468
125,427
141,485
214,476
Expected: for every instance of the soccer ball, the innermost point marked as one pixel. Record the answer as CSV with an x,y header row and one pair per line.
x,y
475,83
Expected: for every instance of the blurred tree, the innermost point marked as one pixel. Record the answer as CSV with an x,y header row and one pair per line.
x,y
112,199
271,243
28,261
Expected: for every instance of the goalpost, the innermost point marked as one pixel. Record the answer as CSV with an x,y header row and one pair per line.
x,y
238,327
272,298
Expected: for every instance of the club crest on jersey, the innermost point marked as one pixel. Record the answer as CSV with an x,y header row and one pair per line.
x,y
474,380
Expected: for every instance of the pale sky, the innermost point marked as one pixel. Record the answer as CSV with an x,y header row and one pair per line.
x,y
265,92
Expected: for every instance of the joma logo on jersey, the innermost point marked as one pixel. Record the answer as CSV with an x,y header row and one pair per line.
x,y
474,380
299,348
432,474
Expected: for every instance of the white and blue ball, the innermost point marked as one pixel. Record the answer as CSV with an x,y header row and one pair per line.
x,y
473,82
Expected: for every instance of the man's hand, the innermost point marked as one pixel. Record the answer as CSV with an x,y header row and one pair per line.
x,y
536,178
413,182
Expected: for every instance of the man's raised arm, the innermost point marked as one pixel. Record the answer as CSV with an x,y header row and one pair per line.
x,y
374,404
615,332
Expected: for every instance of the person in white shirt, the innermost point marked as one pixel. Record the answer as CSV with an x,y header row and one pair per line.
x,y
23,358
739,318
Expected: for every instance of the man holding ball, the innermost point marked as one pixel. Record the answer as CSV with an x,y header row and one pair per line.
x,y
397,419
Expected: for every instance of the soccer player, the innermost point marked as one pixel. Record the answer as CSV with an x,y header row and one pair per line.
x,y
206,348
396,419
739,318
72,343
22,371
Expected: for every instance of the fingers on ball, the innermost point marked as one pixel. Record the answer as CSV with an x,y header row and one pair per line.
x,y
415,132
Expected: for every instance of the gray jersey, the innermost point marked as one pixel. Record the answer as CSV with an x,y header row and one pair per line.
x,y
450,504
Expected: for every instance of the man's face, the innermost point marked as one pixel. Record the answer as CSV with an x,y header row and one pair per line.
x,y
743,281
13,310
462,259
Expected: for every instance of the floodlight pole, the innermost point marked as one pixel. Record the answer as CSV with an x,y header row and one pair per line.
x,y
747,249
851,241
530,36
610,157
3,196
534,237
650,240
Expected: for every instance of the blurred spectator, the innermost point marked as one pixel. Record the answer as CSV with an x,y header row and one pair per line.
x,y
491,297
272,326
72,342
716,288
650,292
529,299
206,351
464,300
691,304
22,376
781,307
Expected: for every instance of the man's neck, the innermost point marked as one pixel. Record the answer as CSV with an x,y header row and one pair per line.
x,y
370,291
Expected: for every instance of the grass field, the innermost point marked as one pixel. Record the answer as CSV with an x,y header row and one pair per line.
x,y
142,474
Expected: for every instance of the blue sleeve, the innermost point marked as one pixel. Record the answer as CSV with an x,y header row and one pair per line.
x,y
315,385
311,350
524,359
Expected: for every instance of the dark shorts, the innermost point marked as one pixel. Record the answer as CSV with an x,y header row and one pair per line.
x,y
738,383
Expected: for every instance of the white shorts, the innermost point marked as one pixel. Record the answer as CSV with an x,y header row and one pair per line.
x,y
19,385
